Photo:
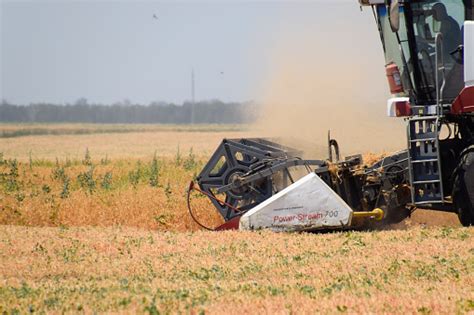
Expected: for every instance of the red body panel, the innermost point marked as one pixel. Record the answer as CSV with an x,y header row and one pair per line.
x,y
403,109
464,103
232,224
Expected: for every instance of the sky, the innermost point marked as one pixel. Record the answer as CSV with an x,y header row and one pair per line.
x,y
110,51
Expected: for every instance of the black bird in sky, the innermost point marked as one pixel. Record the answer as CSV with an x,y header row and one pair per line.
x,y
155,17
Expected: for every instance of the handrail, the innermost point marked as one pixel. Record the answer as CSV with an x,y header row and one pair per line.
x,y
439,67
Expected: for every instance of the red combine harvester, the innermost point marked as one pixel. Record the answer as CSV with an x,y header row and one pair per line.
x,y
429,55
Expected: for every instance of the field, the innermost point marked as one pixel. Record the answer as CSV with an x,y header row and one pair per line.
x,y
93,218
126,270
70,141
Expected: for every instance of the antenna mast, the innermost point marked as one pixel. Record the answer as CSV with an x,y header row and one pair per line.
x,y
192,97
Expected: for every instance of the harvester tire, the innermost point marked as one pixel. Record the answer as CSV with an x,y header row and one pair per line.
x,y
463,188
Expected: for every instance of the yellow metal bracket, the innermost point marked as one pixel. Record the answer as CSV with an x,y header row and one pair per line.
x,y
376,214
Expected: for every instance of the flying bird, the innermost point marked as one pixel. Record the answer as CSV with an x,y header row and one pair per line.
x,y
155,17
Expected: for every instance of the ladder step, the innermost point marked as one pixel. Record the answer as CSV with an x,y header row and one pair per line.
x,y
425,202
424,160
422,139
434,117
426,182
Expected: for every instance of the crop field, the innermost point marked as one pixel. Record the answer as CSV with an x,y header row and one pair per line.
x,y
96,221
127,270
70,141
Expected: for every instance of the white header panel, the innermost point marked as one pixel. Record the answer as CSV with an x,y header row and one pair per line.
x,y
307,204
371,2
469,53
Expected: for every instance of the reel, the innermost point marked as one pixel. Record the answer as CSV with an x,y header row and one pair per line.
x,y
243,173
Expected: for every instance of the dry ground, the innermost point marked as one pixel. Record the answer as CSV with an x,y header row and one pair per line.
x,y
422,270
109,231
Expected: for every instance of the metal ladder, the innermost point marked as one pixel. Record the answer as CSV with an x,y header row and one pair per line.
x,y
424,160
423,144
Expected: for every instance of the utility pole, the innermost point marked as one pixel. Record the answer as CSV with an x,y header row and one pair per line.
x,y
193,117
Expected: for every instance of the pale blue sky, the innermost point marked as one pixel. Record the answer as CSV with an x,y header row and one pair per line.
x,y
59,51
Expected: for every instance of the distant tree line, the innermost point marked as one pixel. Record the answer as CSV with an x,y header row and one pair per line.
x,y
205,112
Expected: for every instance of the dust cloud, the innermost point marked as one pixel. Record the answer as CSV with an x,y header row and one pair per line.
x,y
319,82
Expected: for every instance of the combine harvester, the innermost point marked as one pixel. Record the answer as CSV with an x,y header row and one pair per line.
x,y
429,55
